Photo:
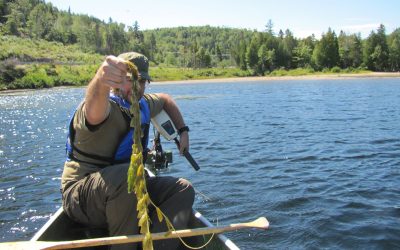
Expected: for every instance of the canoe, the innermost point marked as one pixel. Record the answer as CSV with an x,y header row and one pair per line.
x,y
61,228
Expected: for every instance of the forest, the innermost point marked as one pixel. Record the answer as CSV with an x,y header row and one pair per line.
x,y
42,46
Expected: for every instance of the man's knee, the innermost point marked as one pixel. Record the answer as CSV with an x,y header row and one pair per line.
x,y
186,189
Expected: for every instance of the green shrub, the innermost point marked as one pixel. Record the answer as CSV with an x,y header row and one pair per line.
x,y
336,69
9,71
279,72
77,75
35,79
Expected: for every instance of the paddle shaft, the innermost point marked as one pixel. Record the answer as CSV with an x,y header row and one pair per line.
x,y
261,223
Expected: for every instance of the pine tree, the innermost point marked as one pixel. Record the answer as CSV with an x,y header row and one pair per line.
x,y
289,43
219,53
376,51
252,53
269,27
394,50
326,52
302,54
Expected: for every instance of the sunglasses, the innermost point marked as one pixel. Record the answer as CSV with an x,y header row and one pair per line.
x,y
141,81
144,82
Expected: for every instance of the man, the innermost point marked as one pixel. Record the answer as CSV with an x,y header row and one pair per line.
x,y
94,180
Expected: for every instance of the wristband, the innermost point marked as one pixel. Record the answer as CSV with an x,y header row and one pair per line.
x,y
183,129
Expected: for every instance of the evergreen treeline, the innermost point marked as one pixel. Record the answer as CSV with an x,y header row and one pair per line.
x,y
201,47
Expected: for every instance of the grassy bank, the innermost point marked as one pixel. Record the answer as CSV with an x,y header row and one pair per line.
x,y
31,64
49,75
160,74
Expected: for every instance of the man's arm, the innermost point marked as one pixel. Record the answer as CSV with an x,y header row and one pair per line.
x,y
112,73
173,111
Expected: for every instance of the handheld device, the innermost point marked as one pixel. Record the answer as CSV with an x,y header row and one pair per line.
x,y
162,122
164,125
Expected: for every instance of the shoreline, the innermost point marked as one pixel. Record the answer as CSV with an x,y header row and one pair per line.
x,y
286,78
246,79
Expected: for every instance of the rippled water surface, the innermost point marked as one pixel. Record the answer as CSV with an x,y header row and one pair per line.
x,y
319,158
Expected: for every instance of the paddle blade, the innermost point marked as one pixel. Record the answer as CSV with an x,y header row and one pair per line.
x,y
261,223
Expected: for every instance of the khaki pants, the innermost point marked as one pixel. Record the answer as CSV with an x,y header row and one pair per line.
x,y
101,200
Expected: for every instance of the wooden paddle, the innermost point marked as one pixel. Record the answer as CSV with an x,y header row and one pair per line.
x,y
261,223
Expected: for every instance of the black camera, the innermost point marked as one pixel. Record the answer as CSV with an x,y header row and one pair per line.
x,y
157,158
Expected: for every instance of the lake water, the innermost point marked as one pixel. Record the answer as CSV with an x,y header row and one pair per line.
x,y
319,158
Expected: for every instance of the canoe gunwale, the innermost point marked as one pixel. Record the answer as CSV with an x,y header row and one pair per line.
x,y
221,238
47,225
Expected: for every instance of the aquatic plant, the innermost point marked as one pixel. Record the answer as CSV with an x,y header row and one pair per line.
x,y
136,171
136,176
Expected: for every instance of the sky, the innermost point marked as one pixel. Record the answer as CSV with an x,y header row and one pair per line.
x,y
302,17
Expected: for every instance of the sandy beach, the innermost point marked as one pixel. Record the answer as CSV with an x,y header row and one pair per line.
x,y
285,78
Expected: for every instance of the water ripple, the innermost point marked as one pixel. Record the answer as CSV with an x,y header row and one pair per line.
x,y
320,159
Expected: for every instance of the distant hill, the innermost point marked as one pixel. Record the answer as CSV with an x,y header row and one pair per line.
x,y
34,32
